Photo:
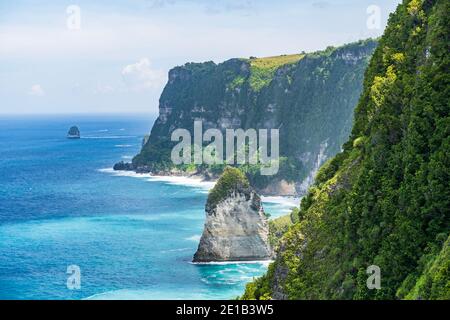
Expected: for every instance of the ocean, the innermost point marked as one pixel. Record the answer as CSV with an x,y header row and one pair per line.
x,y
132,236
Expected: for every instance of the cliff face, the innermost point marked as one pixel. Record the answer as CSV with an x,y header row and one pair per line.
x,y
310,98
236,227
385,200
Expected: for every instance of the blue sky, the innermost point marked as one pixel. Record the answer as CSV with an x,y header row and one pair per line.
x,y
118,58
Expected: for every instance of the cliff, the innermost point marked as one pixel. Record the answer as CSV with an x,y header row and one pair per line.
x,y
236,228
384,200
309,97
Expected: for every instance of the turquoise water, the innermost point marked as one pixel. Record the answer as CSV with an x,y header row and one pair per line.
x,y
132,236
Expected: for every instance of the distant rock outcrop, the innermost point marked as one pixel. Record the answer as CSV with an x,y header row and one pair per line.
x,y
123,166
74,133
236,228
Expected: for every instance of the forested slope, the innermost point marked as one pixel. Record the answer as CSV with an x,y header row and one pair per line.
x,y
384,200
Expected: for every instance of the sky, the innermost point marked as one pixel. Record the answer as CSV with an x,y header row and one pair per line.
x,y
114,56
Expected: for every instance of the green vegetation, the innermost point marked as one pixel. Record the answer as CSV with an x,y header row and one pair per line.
x,y
237,82
155,156
262,70
288,170
231,180
260,288
434,283
384,200
278,227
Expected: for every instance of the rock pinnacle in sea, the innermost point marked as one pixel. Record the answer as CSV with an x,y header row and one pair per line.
x,y
236,227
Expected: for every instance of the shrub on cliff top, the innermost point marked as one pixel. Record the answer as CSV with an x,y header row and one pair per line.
x,y
231,179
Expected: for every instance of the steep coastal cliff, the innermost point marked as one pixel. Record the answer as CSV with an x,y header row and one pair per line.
x,y
385,200
236,228
309,97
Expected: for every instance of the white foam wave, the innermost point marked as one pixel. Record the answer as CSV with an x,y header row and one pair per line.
x,y
185,181
107,137
123,145
176,250
120,173
261,262
151,294
193,182
285,201
195,238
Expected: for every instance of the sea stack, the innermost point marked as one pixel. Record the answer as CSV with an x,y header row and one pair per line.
x,y
236,227
74,133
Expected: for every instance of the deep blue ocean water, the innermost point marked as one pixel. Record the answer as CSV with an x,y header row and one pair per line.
x,y
132,237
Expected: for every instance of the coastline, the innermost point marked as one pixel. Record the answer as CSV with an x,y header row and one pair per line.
x,y
263,262
194,181
198,181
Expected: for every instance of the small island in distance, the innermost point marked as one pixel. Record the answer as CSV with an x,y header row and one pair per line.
x,y
74,133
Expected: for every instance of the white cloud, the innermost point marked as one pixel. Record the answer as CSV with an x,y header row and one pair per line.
x,y
210,7
36,90
141,76
103,89
102,59
321,4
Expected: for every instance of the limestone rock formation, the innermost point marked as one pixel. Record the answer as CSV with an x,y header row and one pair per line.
x,y
236,227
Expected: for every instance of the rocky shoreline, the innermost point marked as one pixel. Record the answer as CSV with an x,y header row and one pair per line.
x,y
279,188
127,166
